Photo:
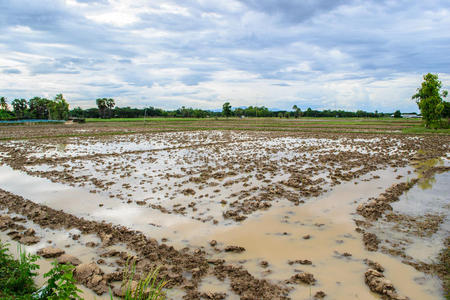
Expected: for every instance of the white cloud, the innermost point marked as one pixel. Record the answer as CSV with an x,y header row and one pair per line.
x,y
341,54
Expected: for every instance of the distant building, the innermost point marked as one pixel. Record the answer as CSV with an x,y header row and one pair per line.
x,y
409,116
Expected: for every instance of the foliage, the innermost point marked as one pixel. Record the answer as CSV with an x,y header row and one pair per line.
x,y
39,107
20,107
397,114
3,104
429,99
149,288
36,108
297,111
58,109
446,110
105,106
42,108
16,276
5,115
226,109
60,283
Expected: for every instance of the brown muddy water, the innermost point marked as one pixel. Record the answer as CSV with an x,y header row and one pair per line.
x,y
276,236
282,198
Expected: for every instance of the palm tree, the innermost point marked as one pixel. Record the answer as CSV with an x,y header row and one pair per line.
x,y
101,103
3,104
110,105
298,111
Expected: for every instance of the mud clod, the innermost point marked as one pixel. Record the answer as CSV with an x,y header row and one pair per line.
x,y
374,265
371,241
300,261
303,277
380,285
50,252
91,276
68,259
320,295
234,249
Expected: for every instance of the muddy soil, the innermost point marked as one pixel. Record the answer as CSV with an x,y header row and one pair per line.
x,y
407,227
220,185
212,176
149,254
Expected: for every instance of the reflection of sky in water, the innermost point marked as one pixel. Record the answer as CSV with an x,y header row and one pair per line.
x,y
434,200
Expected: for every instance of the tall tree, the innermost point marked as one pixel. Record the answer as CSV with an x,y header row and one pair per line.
x,y
101,103
298,111
3,104
226,109
20,107
110,105
39,107
429,98
58,109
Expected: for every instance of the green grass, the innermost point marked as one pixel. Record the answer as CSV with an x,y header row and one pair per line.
x,y
93,120
124,126
423,130
148,288
17,278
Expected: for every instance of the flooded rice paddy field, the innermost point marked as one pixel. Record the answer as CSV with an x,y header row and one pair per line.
x,y
237,214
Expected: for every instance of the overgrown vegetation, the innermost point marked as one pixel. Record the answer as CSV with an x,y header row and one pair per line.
x,y
17,278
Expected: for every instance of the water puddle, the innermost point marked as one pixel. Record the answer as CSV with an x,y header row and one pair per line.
x,y
321,230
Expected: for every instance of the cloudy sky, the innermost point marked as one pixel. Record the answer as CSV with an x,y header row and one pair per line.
x,y
321,54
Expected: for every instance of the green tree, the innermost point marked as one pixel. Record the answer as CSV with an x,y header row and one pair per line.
x,y
39,107
298,111
446,111
20,107
58,109
429,99
77,112
101,104
3,104
397,114
110,105
105,106
226,109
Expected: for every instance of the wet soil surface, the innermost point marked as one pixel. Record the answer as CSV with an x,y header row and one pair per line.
x,y
411,220
226,181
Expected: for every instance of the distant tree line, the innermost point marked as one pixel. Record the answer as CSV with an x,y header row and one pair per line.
x,y
131,112
58,109
184,112
35,108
